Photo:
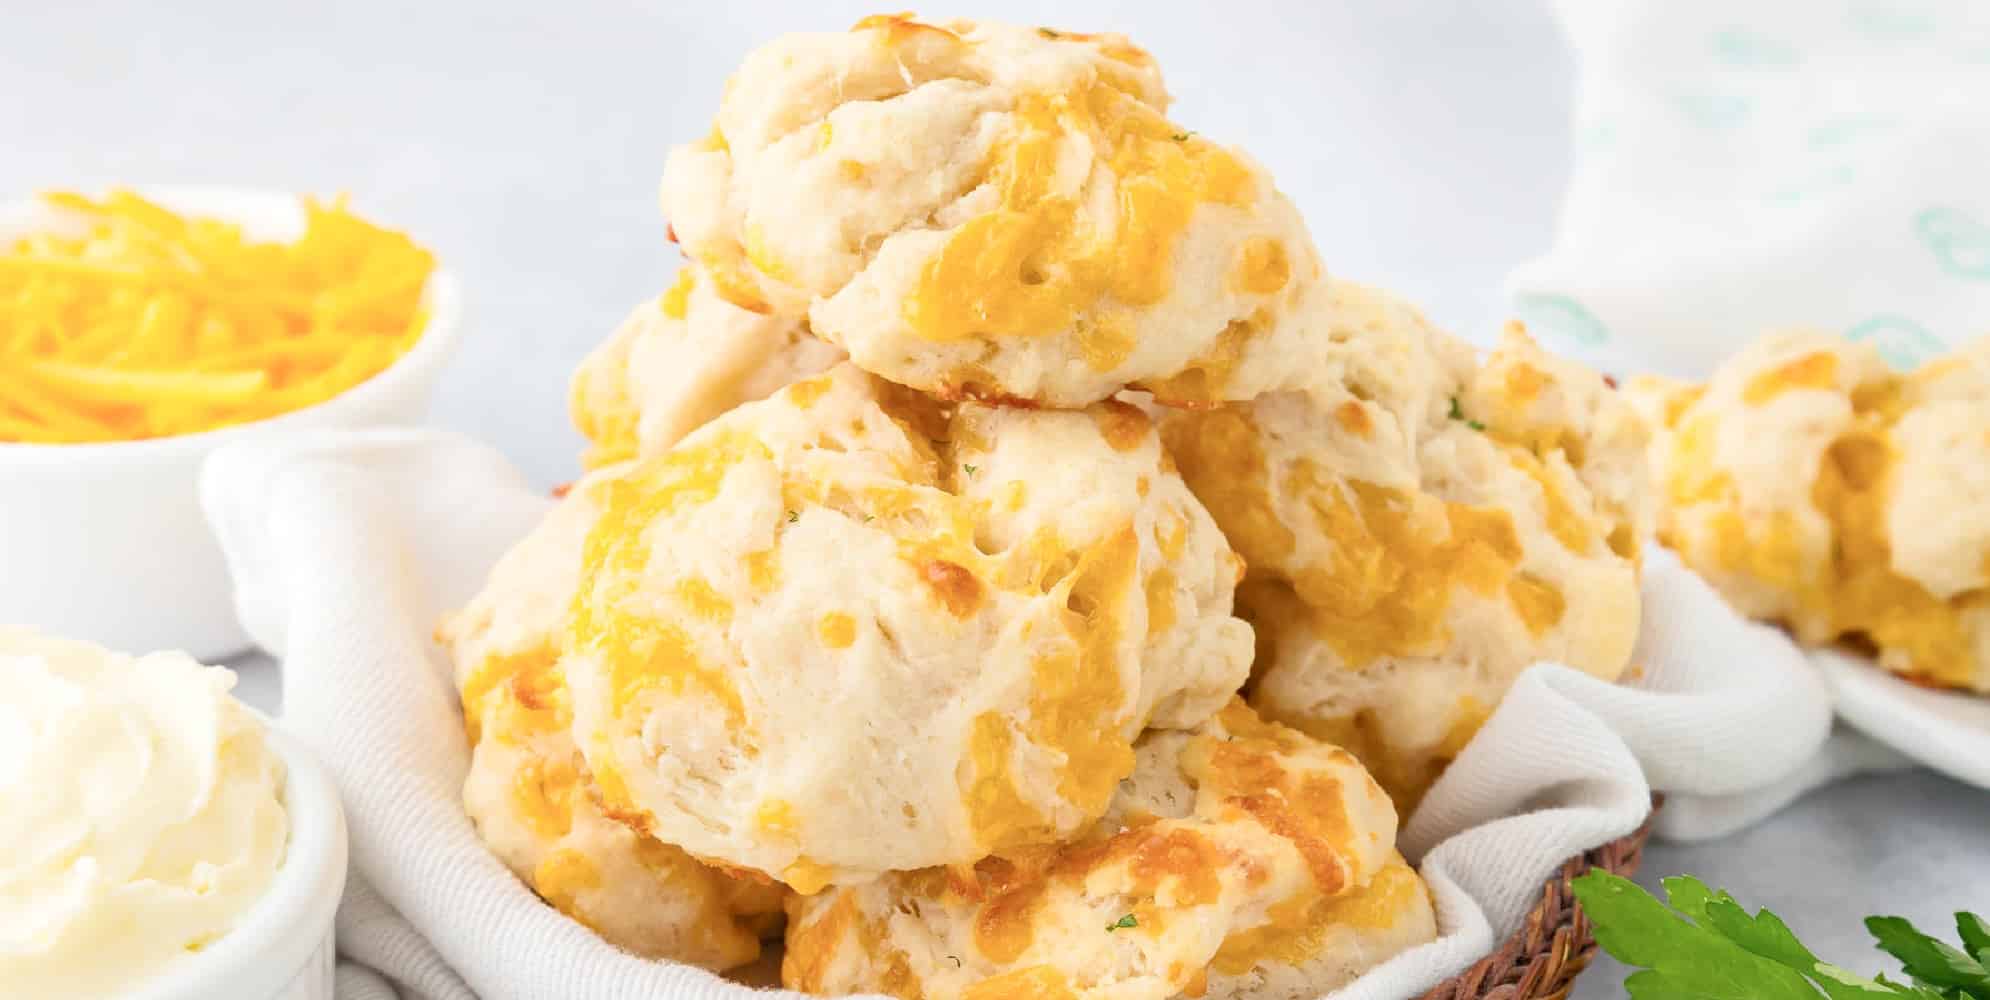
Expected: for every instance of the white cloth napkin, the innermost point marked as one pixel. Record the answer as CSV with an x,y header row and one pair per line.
x,y
1742,167
346,546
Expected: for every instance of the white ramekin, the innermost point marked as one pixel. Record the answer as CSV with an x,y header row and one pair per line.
x,y
282,949
106,542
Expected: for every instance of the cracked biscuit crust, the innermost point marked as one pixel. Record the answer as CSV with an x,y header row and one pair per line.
x,y
1815,487
1240,859
848,629
996,212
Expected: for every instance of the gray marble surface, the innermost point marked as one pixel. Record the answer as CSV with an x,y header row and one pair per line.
x,y
1424,139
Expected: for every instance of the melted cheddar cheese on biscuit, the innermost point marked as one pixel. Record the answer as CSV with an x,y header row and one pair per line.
x,y
679,361
1414,544
1815,487
847,629
1241,859
989,211
531,796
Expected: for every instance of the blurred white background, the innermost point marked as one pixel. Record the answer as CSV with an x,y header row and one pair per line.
x,y
1426,140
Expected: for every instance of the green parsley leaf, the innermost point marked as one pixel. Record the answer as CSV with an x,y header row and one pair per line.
x,y
1680,960
969,469
1457,412
1975,934
793,516
1047,33
1929,960
1475,425
1765,934
1181,136
1712,948
1125,921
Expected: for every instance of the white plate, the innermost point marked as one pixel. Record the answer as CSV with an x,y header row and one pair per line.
x,y
1947,731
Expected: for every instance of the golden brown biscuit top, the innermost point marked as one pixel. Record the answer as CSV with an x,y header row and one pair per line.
x,y
1419,538
995,212
848,629
1815,486
1233,845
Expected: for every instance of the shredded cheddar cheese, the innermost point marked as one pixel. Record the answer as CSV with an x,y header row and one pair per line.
x,y
138,322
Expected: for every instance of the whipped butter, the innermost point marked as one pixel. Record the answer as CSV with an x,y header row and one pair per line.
x,y
141,814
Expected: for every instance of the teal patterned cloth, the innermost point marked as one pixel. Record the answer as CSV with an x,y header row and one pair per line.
x,y
1742,167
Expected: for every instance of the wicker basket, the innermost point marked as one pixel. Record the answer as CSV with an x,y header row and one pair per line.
x,y
1541,960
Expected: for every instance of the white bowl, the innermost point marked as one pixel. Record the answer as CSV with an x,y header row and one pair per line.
x,y
282,949
106,542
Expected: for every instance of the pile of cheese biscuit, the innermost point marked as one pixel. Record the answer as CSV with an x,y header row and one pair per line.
x,y
1011,565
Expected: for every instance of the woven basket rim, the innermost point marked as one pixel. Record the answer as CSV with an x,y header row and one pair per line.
x,y
1541,960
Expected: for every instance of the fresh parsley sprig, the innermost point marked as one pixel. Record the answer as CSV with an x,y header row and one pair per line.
x,y
1954,972
1707,947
